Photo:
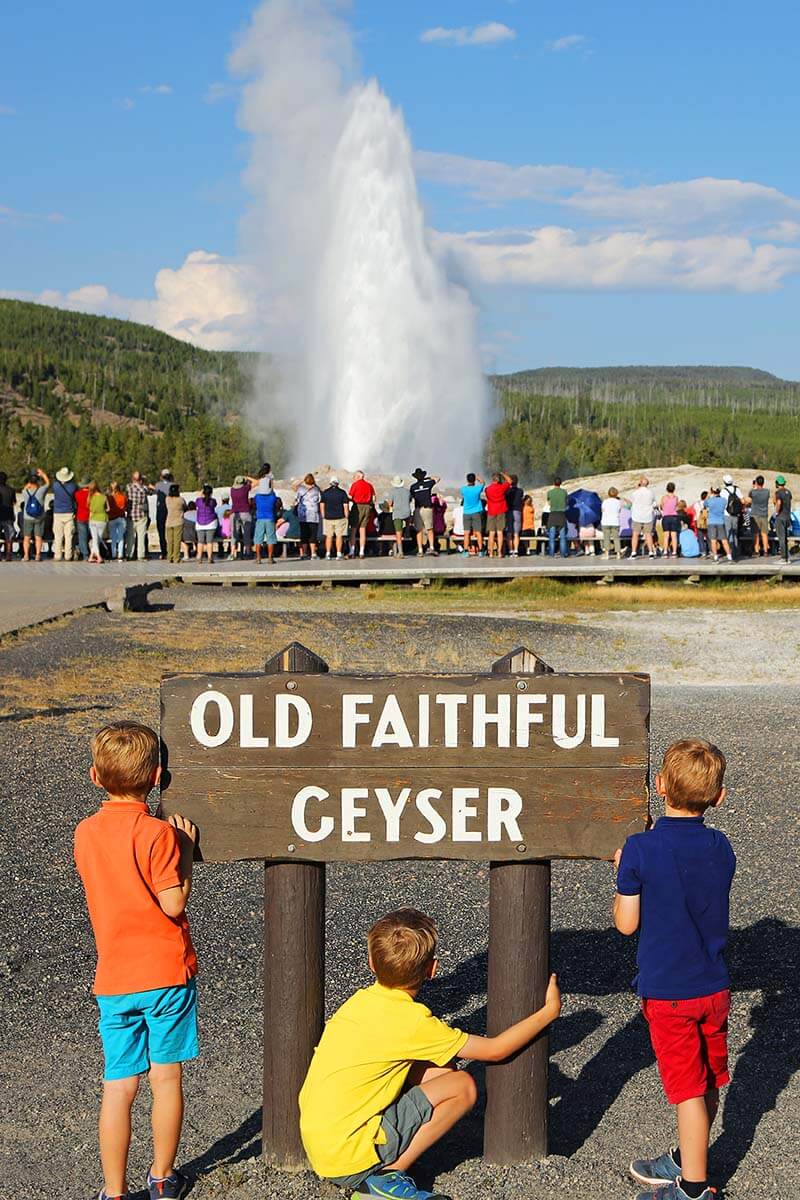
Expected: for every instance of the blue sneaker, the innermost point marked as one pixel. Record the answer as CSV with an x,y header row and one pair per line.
x,y
656,1172
674,1191
395,1185
174,1187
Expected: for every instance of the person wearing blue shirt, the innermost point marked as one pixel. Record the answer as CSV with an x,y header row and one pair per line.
x,y
266,520
673,887
64,489
716,505
471,494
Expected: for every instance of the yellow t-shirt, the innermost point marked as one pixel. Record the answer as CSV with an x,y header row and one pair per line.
x,y
359,1069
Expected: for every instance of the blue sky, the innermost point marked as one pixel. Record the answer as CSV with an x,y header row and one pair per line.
x,y
618,183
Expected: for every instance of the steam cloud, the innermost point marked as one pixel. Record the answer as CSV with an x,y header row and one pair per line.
x,y
379,361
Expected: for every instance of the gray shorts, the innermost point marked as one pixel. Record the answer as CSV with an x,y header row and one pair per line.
x,y
473,522
496,522
717,533
423,519
33,526
8,531
207,537
400,1122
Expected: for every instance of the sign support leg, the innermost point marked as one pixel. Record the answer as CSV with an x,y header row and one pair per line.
x,y
294,973
515,1128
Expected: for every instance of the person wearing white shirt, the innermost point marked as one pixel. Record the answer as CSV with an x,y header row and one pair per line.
x,y
731,492
609,523
643,503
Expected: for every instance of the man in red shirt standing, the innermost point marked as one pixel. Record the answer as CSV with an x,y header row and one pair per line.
x,y
362,493
82,519
496,510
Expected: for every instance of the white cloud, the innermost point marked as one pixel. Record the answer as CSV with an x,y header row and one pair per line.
x,y
127,103
560,259
218,91
571,42
209,301
721,205
157,89
476,35
14,216
497,181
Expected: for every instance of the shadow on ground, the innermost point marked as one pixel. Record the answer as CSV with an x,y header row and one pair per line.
x,y
765,958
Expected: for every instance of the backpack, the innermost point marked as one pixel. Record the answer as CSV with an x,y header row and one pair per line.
x,y
33,507
734,506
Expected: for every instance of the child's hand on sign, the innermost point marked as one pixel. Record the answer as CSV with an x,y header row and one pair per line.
x,y
552,999
184,827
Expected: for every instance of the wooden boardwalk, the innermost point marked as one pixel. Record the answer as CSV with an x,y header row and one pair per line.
x,y
34,592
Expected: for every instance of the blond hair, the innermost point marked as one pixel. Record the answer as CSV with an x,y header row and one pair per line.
x,y
692,774
402,946
125,756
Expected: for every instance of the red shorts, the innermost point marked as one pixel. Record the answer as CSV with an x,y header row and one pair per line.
x,y
690,1040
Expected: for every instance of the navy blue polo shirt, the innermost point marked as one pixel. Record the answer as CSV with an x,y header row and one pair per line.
x,y
683,872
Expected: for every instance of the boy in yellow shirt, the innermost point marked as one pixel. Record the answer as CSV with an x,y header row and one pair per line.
x,y
382,1087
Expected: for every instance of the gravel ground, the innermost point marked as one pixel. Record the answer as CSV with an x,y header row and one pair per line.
x,y
604,1087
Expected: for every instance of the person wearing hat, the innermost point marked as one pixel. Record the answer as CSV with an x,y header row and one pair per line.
x,y
400,500
783,516
421,492
334,507
734,503
64,489
241,518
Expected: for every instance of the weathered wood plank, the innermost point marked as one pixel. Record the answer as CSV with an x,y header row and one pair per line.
x,y
294,976
566,813
436,732
515,1128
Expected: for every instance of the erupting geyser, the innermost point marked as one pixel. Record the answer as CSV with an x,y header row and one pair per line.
x,y
381,367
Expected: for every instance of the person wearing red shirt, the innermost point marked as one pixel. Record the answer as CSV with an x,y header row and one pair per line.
x,y
496,510
82,519
362,493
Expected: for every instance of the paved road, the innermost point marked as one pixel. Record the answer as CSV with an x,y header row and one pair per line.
x,y
34,592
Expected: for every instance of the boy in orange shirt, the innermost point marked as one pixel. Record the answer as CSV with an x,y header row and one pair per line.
x,y
137,875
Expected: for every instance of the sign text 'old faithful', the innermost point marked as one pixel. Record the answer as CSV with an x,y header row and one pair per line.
x,y
328,767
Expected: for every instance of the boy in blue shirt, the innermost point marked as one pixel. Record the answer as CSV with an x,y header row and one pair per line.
x,y
673,886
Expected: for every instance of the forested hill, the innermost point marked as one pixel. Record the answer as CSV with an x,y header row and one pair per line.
x,y
107,396
572,421
731,386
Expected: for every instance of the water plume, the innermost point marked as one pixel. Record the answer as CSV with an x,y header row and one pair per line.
x,y
379,365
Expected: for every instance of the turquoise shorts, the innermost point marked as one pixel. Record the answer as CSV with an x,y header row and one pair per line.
x,y
264,532
140,1028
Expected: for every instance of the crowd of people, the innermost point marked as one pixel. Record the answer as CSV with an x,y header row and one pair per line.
x,y
494,518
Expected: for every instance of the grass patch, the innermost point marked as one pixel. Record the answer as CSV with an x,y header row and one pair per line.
x,y
543,597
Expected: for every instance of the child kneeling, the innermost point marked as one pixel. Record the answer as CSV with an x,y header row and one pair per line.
x,y
382,1088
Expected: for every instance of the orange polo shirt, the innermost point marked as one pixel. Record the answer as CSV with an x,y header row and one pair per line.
x,y
125,857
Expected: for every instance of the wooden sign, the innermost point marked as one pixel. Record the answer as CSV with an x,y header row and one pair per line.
x,y
329,767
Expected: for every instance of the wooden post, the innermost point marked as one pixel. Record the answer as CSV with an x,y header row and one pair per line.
x,y
519,951
294,972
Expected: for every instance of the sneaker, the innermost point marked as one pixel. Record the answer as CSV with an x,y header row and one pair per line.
x,y
657,1172
395,1185
674,1191
103,1195
173,1187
